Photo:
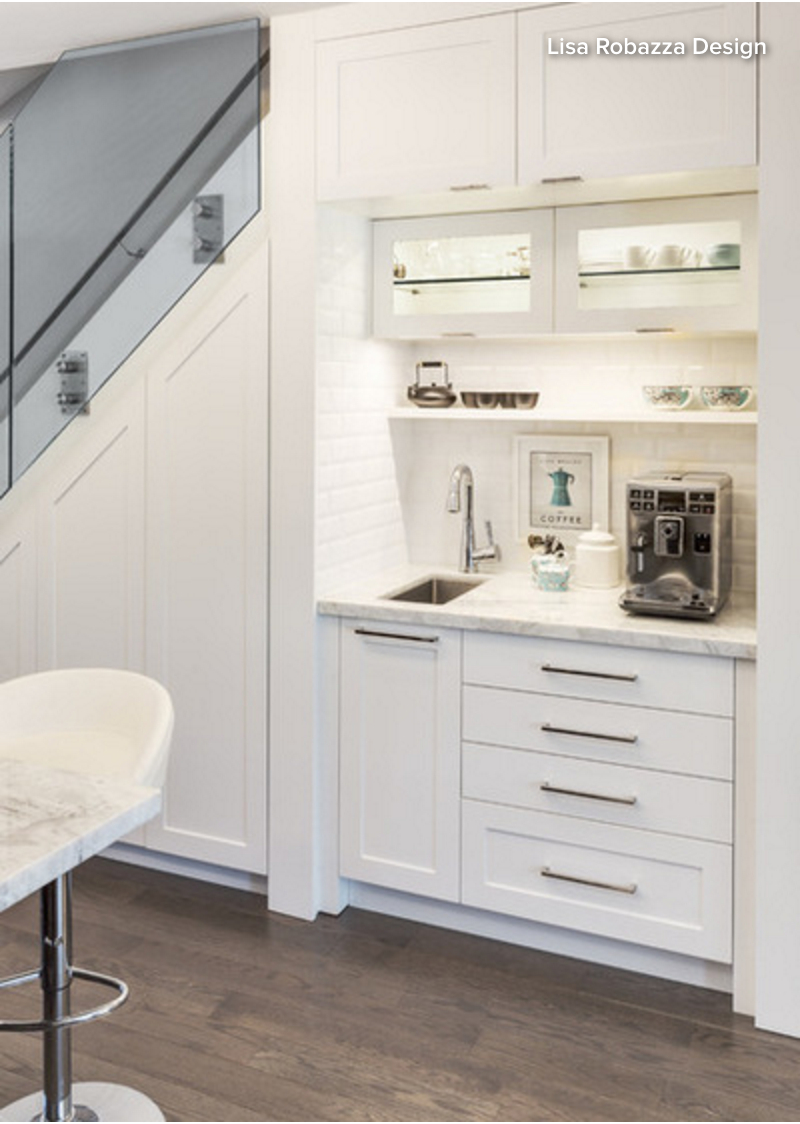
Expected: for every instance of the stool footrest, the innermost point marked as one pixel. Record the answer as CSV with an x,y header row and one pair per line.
x,y
25,1026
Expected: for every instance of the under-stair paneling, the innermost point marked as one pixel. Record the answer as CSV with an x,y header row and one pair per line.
x,y
91,545
17,598
207,575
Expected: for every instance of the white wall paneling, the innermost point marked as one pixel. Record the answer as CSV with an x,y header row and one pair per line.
x,y
294,832
778,762
18,596
91,546
207,574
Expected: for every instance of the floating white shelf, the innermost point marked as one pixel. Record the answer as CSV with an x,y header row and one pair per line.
x,y
531,417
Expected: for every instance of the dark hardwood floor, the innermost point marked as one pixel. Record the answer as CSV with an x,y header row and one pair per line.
x,y
238,1014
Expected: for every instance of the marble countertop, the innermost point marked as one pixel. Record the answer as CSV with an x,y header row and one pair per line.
x,y
511,603
52,820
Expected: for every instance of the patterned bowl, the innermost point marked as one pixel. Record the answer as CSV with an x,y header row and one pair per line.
x,y
726,397
668,397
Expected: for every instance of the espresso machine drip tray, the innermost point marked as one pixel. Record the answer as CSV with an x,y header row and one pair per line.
x,y
670,598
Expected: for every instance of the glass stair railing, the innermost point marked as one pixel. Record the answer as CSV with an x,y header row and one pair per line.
x,y
122,178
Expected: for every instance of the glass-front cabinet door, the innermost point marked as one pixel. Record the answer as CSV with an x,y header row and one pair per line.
x,y
464,275
668,265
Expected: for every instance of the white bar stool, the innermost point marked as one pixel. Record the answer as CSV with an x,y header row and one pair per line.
x,y
100,722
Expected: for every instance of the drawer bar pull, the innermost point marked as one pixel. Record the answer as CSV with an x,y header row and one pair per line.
x,y
625,888
374,633
626,739
589,674
545,786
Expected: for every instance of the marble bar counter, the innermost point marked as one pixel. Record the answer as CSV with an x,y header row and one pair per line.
x,y
512,603
52,820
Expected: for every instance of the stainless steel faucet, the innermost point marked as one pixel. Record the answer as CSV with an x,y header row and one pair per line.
x,y
469,554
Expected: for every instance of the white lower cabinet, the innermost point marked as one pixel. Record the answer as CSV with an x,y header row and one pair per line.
x,y
594,786
400,746
665,891
612,812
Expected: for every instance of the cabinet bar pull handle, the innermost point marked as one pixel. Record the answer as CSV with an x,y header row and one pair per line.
x,y
469,187
626,739
625,888
653,331
396,636
545,786
562,179
589,674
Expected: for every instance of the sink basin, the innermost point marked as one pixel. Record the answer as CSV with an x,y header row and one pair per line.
x,y
435,590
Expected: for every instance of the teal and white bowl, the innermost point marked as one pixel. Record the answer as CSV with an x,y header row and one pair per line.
x,y
667,397
726,397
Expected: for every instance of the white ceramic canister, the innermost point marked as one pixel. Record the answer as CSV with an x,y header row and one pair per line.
x,y
597,559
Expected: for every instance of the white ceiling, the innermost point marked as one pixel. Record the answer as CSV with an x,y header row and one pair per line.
x,y
32,33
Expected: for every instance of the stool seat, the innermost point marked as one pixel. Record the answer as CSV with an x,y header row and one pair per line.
x,y
88,720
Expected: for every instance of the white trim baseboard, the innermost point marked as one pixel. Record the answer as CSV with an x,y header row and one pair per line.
x,y
188,868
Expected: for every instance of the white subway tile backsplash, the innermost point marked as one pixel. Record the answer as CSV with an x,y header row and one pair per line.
x,y
382,484
359,526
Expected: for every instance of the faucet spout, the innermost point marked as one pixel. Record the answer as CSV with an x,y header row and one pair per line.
x,y
462,480
461,474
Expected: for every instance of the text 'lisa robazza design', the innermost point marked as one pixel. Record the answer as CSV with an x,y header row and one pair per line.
x,y
745,48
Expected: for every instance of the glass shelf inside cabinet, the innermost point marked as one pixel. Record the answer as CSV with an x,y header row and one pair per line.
x,y
483,273
660,266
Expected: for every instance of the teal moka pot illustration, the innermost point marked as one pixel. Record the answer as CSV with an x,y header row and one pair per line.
x,y
561,482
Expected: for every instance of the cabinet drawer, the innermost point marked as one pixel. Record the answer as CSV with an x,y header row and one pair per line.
x,y
617,882
635,676
664,802
653,739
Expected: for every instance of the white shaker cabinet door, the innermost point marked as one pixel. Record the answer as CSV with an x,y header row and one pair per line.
x,y
417,110
17,596
207,580
611,115
90,537
399,757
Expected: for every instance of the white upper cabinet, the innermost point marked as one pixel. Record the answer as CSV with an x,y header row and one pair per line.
x,y
688,265
671,264
598,115
484,274
484,101
417,110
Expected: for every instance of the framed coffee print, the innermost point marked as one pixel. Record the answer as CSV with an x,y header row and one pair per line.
x,y
562,485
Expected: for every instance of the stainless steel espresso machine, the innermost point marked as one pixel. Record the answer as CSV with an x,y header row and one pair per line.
x,y
678,548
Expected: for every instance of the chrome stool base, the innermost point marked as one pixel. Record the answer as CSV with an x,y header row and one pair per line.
x,y
60,1100
94,1100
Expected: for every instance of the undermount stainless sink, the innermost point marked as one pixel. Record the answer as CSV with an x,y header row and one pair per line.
x,y
435,590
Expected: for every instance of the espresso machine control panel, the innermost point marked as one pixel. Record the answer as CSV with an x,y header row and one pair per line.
x,y
678,544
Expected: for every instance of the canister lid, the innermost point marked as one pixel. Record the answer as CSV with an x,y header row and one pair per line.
x,y
597,537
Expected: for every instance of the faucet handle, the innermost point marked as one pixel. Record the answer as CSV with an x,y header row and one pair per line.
x,y
491,552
